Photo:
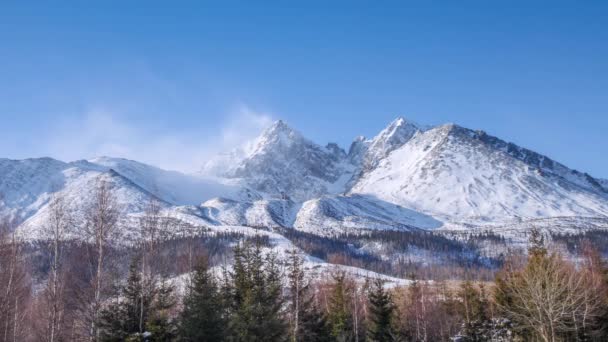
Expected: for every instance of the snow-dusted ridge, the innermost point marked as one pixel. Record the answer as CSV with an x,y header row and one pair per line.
x,y
407,177
457,174
282,163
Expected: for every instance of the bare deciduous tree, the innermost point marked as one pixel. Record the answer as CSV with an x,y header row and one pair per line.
x,y
151,230
549,297
58,225
101,222
14,288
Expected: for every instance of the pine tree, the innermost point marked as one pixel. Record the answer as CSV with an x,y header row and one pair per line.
x,y
380,328
474,311
120,320
201,318
254,296
536,243
159,326
307,323
340,319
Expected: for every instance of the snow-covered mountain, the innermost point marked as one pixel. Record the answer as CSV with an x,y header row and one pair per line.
x,y
27,186
407,177
456,173
282,163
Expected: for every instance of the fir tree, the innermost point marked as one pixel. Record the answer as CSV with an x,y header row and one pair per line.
x,y
307,323
380,328
255,296
120,320
340,319
536,242
159,326
201,318
474,305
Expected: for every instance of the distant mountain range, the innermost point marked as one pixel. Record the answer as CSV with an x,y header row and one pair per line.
x,y
407,177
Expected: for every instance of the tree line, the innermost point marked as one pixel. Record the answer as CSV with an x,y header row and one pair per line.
x,y
444,258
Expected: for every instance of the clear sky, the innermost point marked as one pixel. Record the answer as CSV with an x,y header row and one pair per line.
x,y
171,84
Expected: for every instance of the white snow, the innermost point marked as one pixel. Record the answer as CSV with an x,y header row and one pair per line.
x,y
447,173
329,215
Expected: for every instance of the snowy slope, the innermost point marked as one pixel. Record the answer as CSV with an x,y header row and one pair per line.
x,y
392,137
260,213
29,184
173,187
365,154
25,184
458,174
78,194
329,215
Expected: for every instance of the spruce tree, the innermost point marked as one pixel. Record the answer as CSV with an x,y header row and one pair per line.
x,y
307,322
536,242
340,319
381,308
201,318
120,320
159,326
255,296
473,309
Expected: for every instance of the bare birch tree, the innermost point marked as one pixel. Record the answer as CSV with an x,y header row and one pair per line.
x,y
14,288
58,224
150,229
101,222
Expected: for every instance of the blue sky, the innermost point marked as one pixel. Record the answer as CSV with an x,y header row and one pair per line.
x,y
172,85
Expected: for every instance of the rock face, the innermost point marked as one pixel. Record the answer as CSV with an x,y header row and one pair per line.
x,y
407,177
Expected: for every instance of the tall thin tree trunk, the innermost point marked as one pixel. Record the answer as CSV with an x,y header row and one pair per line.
x,y
141,294
297,311
356,316
54,304
15,319
97,296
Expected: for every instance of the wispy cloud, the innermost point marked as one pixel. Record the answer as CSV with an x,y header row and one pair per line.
x,y
103,132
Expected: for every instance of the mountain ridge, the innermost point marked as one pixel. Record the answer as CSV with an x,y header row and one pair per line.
x,y
406,177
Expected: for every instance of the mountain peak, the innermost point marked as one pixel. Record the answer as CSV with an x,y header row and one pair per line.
x,y
278,134
400,121
278,127
397,133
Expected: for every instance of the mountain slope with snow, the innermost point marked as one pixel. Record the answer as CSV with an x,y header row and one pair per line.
x,y
28,186
392,137
330,215
406,177
171,186
458,174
